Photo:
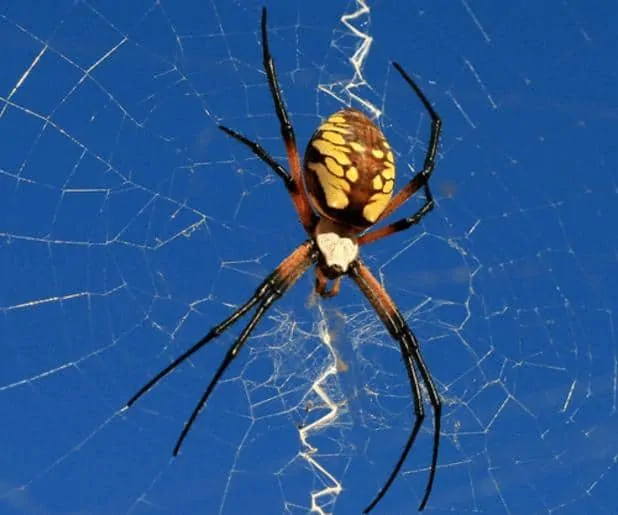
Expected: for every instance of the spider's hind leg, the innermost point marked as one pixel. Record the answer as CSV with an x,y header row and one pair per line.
x,y
261,152
420,180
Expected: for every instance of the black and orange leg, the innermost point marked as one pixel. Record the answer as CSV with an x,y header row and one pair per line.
x,y
403,223
301,201
261,152
413,361
420,180
271,289
293,180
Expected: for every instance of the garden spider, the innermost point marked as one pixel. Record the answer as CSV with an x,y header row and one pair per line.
x,y
349,175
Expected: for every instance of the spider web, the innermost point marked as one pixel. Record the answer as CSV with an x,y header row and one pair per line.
x,y
129,225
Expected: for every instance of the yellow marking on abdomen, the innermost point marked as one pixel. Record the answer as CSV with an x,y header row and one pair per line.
x,y
376,206
333,166
389,171
377,153
326,148
335,189
389,157
342,129
336,119
377,182
388,186
352,174
333,137
357,147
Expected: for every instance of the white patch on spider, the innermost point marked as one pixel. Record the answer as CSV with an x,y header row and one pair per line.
x,y
338,246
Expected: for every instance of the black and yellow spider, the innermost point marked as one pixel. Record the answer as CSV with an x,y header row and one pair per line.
x,y
349,176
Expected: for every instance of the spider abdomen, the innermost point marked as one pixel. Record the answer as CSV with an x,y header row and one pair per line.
x,y
349,170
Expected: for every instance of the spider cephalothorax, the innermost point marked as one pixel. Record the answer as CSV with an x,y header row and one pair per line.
x,y
349,173
338,246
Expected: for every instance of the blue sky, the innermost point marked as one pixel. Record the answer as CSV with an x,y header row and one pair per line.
x,y
129,225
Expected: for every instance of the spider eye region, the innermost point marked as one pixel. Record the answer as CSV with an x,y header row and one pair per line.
x,y
349,170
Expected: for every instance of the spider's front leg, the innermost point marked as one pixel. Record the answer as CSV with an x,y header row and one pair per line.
x,y
414,362
271,289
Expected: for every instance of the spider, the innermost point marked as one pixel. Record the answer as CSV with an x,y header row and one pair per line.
x,y
349,175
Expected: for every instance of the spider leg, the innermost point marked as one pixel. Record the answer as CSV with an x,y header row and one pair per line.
x,y
299,196
260,152
293,182
212,334
229,357
411,353
420,180
321,284
272,288
403,223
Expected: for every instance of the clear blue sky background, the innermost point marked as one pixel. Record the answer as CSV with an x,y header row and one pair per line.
x,y
129,226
